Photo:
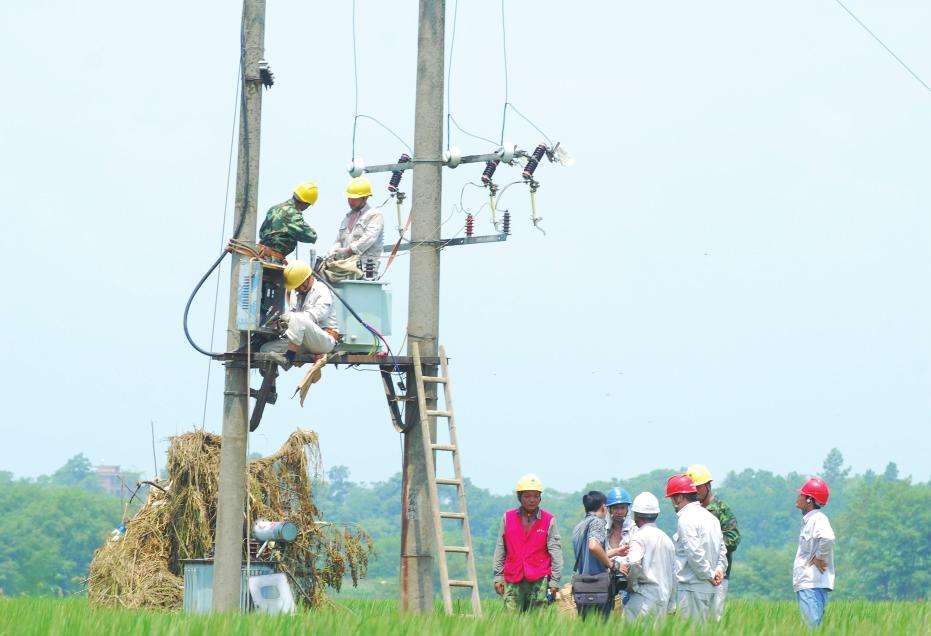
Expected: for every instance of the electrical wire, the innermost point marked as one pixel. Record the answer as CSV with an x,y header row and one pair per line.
x,y
355,80
466,132
883,44
244,121
449,73
504,52
380,123
226,200
527,119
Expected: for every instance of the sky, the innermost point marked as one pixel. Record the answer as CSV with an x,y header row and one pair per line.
x,y
734,272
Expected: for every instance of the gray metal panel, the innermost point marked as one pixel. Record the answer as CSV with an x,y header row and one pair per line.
x,y
372,301
198,584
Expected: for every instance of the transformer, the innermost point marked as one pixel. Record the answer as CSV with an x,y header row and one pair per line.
x,y
372,301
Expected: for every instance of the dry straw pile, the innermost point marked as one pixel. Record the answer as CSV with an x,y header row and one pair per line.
x,y
142,568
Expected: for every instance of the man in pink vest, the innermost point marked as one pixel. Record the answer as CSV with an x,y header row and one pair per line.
x,y
528,554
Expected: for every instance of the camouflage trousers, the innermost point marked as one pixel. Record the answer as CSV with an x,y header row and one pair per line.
x,y
523,596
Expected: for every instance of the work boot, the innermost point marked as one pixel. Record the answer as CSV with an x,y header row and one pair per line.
x,y
280,360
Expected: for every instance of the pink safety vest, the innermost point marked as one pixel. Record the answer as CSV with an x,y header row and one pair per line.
x,y
526,557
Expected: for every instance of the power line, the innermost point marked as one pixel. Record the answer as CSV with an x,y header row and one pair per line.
x,y
449,74
883,44
504,53
355,79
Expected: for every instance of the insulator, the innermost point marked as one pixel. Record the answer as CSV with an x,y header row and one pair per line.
x,y
489,172
506,222
369,270
533,161
470,224
397,174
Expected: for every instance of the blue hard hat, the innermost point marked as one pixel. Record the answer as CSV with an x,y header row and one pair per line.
x,y
618,495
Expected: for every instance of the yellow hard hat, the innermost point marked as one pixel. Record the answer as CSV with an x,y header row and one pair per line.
x,y
306,192
358,188
529,482
295,274
699,474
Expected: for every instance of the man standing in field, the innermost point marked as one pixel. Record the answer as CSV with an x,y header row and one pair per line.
x,y
813,572
528,553
701,558
701,477
588,541
651,575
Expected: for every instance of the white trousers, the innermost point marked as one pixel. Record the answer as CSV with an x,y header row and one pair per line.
x,y
695,605
717,606
305,333
639,605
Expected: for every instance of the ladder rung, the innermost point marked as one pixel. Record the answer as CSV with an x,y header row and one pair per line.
x,y
443,447
451,515
460,583
457,548
439,413
447,482
435,379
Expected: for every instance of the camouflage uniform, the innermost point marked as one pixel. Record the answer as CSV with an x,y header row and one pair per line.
x,y
520,597
283,227
728,526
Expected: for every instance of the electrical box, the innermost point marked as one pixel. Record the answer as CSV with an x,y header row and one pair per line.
x,y
260,295
372,301
198,583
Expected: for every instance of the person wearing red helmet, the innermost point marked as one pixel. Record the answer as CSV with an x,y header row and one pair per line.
x,y
813,572
701,556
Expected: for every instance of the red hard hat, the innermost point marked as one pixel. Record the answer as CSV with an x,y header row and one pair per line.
x,y
817,490
679,485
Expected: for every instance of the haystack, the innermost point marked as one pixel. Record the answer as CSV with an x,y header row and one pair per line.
x,y
142,567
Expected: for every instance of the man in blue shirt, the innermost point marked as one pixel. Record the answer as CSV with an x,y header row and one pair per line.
x,y
588,538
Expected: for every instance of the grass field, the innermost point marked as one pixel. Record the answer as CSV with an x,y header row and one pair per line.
x,y
27,616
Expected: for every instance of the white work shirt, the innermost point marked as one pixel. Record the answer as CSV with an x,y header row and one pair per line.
x,y
626,528
815,540
700,549
317,303
652,571
364,233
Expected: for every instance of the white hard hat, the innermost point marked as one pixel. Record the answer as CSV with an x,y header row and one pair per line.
x,y
646,503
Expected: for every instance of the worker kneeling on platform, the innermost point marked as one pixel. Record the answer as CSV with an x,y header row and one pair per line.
x,y
310,325
528,554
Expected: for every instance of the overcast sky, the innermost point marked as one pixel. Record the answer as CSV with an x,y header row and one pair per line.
x,y
735,271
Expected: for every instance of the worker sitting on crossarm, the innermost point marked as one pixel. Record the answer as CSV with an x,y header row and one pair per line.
x,y
310,325
362,231
284,225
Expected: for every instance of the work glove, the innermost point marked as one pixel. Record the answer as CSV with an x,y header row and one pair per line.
x,y
283,321
342,252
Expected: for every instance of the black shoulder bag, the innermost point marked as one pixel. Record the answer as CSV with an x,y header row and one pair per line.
x,y
590,589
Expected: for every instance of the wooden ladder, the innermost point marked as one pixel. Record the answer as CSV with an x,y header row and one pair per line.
x,y
462,515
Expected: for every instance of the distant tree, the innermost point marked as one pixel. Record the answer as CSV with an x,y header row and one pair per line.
x,y
833,471
6,477
339,483
75,471
892,472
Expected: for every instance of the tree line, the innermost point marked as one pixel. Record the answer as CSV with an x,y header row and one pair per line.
x,y
50,527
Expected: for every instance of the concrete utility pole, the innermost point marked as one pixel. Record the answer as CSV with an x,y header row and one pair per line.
x,y
423,312
228,542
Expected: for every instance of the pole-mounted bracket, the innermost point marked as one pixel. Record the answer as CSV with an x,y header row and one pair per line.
x,y
463,240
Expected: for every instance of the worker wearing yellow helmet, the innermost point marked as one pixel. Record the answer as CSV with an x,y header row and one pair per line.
x,y
362,231
528,554
284,226
310,324
701,477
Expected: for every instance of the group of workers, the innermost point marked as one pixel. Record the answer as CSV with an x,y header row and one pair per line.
x,y
647,572
309,325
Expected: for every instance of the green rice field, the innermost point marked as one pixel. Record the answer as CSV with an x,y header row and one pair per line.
x,y
27,616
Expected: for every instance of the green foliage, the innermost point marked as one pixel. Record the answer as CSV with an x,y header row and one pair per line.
x,y
29,617
48,535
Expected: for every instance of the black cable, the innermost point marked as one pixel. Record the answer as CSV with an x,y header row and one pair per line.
x,y
244,121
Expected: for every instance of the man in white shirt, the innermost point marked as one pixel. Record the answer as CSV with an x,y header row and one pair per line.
x,y
311,325
362,231
813,571
651,568
701,556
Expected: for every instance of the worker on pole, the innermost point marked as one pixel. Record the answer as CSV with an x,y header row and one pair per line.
x,y
651,564
310,325
362,231
284,226
701,557
528,554
617,539
813,572
701,477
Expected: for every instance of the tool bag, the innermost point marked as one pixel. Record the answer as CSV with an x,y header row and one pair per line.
x,y
590,589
